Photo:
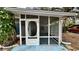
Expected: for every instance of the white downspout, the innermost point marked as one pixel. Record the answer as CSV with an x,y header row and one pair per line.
x,y
60,32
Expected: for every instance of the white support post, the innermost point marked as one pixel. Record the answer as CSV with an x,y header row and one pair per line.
x,y
26,29
48,30
60,30
39,28
20,32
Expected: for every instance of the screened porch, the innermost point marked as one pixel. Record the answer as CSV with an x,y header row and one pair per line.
x,y
38,27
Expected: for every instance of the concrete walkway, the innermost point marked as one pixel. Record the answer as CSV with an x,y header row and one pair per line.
x,y
53,47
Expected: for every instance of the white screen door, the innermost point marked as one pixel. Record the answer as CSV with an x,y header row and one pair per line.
x,y
32,32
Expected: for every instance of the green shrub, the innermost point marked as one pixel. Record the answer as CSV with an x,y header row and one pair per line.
x,y
68,23
7,28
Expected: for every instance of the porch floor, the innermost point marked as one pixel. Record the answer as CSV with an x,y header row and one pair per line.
x,y
53,47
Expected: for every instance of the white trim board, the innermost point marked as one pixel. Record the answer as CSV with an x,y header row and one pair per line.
x,y
40,12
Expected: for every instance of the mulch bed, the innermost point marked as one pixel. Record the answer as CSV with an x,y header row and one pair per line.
x,y
73,38
8,48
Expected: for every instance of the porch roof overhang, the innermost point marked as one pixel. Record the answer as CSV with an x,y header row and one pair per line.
x,y
40,12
